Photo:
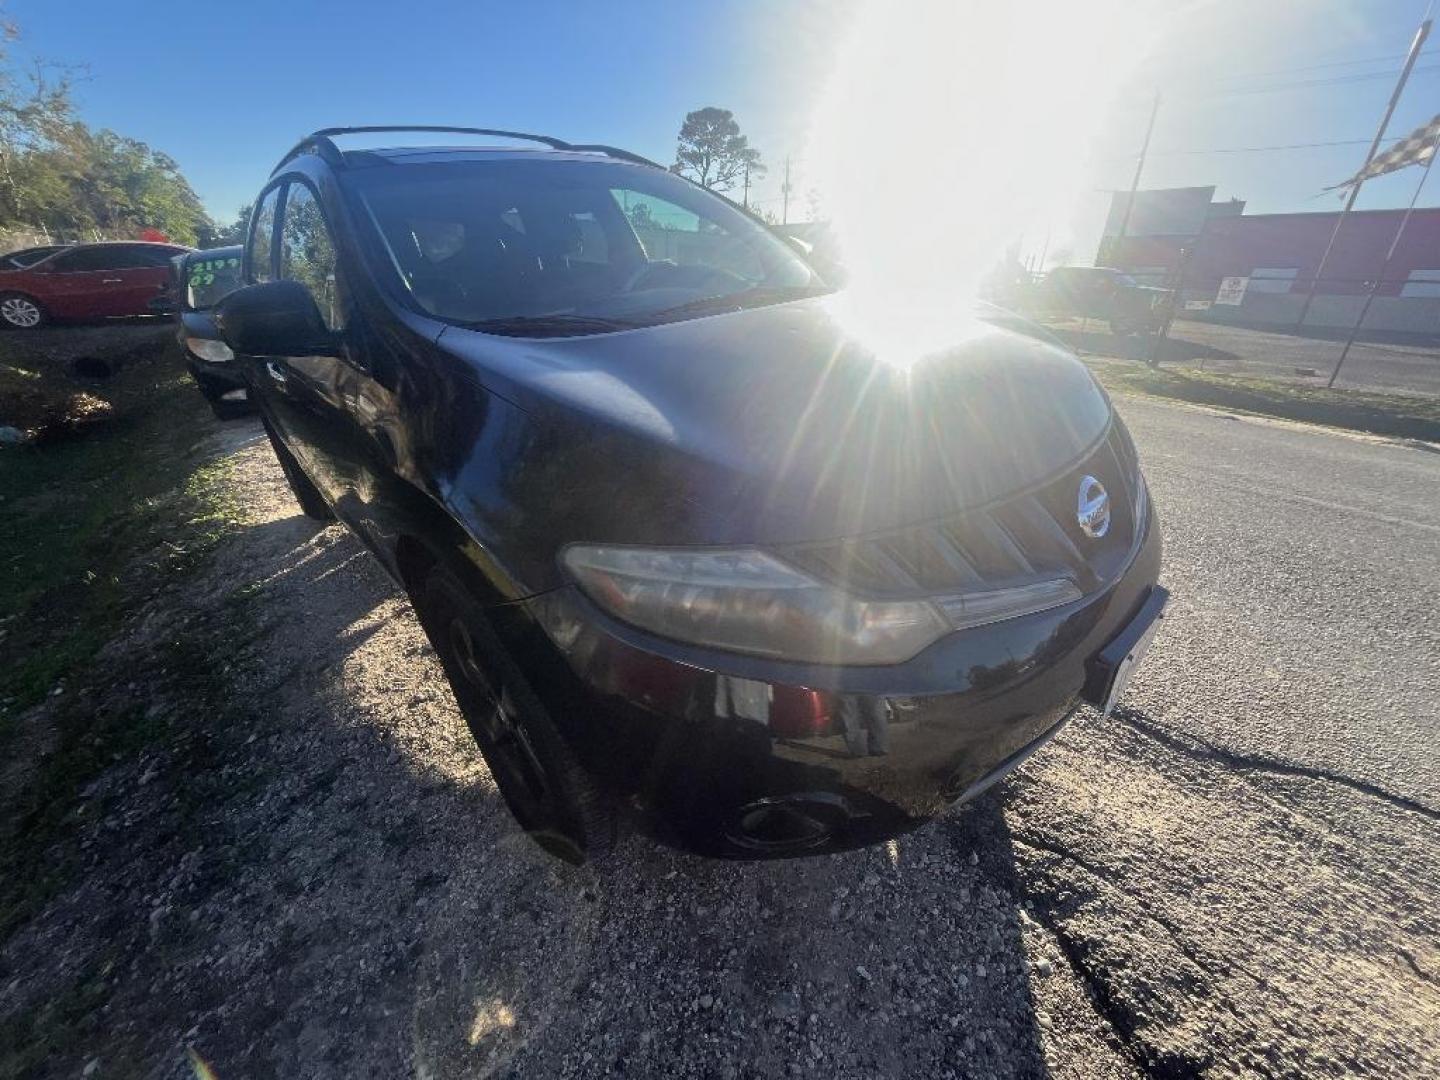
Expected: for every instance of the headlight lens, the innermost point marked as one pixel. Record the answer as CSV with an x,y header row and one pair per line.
x,y
750,602
216,352
746,601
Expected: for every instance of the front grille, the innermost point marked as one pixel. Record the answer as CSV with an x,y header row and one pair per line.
x,y
1027,538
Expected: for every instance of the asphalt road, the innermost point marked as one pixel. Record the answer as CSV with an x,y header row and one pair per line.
x,y
1306,572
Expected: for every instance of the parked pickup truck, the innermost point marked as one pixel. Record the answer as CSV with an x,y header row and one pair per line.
x,y
1102,292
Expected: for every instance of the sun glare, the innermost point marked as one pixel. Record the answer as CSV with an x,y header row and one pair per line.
x,y
948,130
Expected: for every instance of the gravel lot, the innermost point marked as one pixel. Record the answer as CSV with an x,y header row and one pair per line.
x,y
1234,876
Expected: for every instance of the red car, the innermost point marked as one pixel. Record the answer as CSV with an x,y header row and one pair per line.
x,y
85,281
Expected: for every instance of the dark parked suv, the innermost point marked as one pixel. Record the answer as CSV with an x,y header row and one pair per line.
x,y
201,280
1100,292
682,545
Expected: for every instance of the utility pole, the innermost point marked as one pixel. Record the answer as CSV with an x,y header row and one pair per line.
x,y
745,201
1139,168
1044,250
785,194
1420,36
1389,257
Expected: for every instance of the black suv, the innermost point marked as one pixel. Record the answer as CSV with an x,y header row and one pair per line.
x,y
200,280
682,545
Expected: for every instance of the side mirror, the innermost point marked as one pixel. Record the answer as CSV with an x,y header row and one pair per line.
x,y
277,318
804,247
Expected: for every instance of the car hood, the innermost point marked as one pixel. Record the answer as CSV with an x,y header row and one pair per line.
x,y
773,425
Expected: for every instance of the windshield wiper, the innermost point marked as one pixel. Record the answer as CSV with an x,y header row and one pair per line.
x,y
745,298
553,325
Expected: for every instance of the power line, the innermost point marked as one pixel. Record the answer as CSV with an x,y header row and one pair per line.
x,y
1338,80
1259,149
1393,58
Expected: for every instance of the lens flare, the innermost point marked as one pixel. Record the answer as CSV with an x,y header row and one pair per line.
x,y
944,132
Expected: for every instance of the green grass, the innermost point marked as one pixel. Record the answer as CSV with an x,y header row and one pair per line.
x,y
94,528
1396,415
78,514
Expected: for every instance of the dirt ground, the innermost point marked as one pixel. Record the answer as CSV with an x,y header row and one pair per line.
x,y
58,380
311,875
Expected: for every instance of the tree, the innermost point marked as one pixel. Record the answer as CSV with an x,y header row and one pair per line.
x,y
234,233
712,152
58,174
35,113
121,185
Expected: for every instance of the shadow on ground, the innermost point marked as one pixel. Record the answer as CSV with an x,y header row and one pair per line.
x,y
321,880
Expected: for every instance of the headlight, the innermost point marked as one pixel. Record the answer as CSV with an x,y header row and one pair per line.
x,y
746,601
749,602
216,352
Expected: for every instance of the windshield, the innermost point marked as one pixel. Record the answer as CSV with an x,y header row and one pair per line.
x,y
537,247
210,277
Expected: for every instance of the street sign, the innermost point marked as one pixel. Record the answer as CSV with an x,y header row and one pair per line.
x,y
1232,291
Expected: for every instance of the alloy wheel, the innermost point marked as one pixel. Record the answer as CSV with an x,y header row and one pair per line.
x,y
18,311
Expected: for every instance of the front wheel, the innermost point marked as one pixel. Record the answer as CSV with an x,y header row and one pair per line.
x,y
551,796
19,312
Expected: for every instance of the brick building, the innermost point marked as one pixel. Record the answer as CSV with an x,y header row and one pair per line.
x,y
1271,261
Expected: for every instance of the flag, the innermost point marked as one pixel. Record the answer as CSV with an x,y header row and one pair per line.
x,y
1417,148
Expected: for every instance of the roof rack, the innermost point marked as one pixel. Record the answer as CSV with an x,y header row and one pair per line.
x,y
323,142
615,152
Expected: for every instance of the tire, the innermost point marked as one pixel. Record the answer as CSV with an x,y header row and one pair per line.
x,y
550,795
21,312
312,505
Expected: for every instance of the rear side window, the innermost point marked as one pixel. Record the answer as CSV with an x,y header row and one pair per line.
x,y
136,257
87,260
150,256
29,256
307,253
259,249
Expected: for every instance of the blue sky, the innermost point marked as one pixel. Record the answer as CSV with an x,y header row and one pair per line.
x,y
224,88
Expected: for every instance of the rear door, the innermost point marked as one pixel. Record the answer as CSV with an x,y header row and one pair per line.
x,y
106,280
86,283
145,272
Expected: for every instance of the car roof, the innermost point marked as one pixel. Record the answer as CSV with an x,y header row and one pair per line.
x,y
322,143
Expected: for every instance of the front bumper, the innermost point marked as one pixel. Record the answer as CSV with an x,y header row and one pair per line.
x,y
227,375
747,757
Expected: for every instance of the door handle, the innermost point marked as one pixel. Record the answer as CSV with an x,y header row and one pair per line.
x,y
275,371
111,280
